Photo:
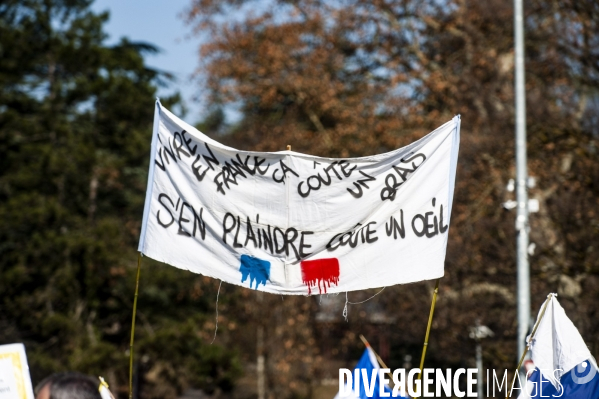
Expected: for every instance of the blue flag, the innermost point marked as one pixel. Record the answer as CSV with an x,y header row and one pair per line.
x,y
582,382
367,385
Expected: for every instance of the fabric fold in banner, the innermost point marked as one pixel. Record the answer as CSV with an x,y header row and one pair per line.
x,y
290,223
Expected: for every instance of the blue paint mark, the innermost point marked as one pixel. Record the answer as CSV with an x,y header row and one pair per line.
x,y
257,270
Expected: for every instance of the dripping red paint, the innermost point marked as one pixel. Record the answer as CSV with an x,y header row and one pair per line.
x,y
321,273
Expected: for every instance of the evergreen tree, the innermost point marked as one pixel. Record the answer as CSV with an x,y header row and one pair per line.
x,y
75,128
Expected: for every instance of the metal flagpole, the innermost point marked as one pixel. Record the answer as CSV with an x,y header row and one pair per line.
x,y
522,227
479,366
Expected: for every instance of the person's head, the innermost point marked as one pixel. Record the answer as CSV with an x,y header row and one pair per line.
x,y
69,385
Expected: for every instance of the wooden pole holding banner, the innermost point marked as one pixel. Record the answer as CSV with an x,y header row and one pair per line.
x,y
532,334
367,344
133,327
428,327
378,358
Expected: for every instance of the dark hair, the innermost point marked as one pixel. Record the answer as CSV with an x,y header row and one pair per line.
x,y
71,385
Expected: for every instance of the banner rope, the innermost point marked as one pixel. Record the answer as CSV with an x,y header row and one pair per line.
x,y
347,302
216,307
345,307
366,300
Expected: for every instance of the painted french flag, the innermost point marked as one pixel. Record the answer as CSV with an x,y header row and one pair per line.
x,y
320,273
564,366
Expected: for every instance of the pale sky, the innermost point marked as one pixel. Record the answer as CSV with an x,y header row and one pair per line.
x,y
159,22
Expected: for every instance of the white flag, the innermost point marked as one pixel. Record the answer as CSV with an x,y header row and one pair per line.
x,y
557,346
290,223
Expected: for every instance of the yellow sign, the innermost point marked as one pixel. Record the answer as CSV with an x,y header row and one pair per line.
x,y
15,382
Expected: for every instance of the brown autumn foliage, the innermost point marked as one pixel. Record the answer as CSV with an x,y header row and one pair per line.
x,y
353,78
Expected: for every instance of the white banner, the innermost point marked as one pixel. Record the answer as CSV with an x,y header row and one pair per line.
x,y
290,223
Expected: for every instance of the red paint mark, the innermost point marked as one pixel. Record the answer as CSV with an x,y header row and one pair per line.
x,y
320,271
